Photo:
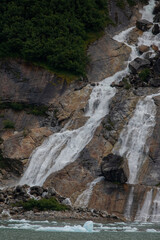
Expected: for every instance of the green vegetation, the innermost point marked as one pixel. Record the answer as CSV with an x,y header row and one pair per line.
x,y
110,125
8,124
120,4
29,108
43,205
131,3
51,33
126,83
144,74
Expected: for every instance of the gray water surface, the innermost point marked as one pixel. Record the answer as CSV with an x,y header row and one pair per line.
x,y
45,230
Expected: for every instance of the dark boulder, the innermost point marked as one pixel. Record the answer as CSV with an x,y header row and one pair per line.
x,y
143,49
156,19
156,29
138,64
143,25
156,67
36,190
156,9
114,169
2,199
19,190
155,82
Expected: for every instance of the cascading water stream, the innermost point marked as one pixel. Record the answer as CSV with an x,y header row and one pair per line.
x,y
155,216
129,204
148,10
84,197
64,147
143,213
132,140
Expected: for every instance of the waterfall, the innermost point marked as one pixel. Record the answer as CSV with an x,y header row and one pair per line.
x,y
150,210
84,197
143,213
155,216
64,147
132,140
148,10
127,213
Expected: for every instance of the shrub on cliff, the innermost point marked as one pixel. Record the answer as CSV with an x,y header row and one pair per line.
x,y
51,32
144,74
43,205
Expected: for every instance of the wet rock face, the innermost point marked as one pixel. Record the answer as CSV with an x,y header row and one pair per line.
x,y
156,66
137,64
143,25
156,29
152,176
156,9
112,168
143,49
156,19
107,57
156,12
22,82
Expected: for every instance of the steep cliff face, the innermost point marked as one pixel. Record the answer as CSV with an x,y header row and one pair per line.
x,y
107,55
36,103
34,100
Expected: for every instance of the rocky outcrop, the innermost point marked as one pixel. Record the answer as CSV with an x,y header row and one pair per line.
x,y
138,64
156,19
143,48
156,29
67,103
143,25
24,82
107,57
113,168
152,168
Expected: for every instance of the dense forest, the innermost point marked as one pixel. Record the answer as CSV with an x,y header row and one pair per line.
x,y
51,32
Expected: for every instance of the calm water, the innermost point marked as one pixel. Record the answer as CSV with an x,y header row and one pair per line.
x,y
28,230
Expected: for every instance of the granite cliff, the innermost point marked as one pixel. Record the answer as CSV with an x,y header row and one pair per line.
x,y
36,103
